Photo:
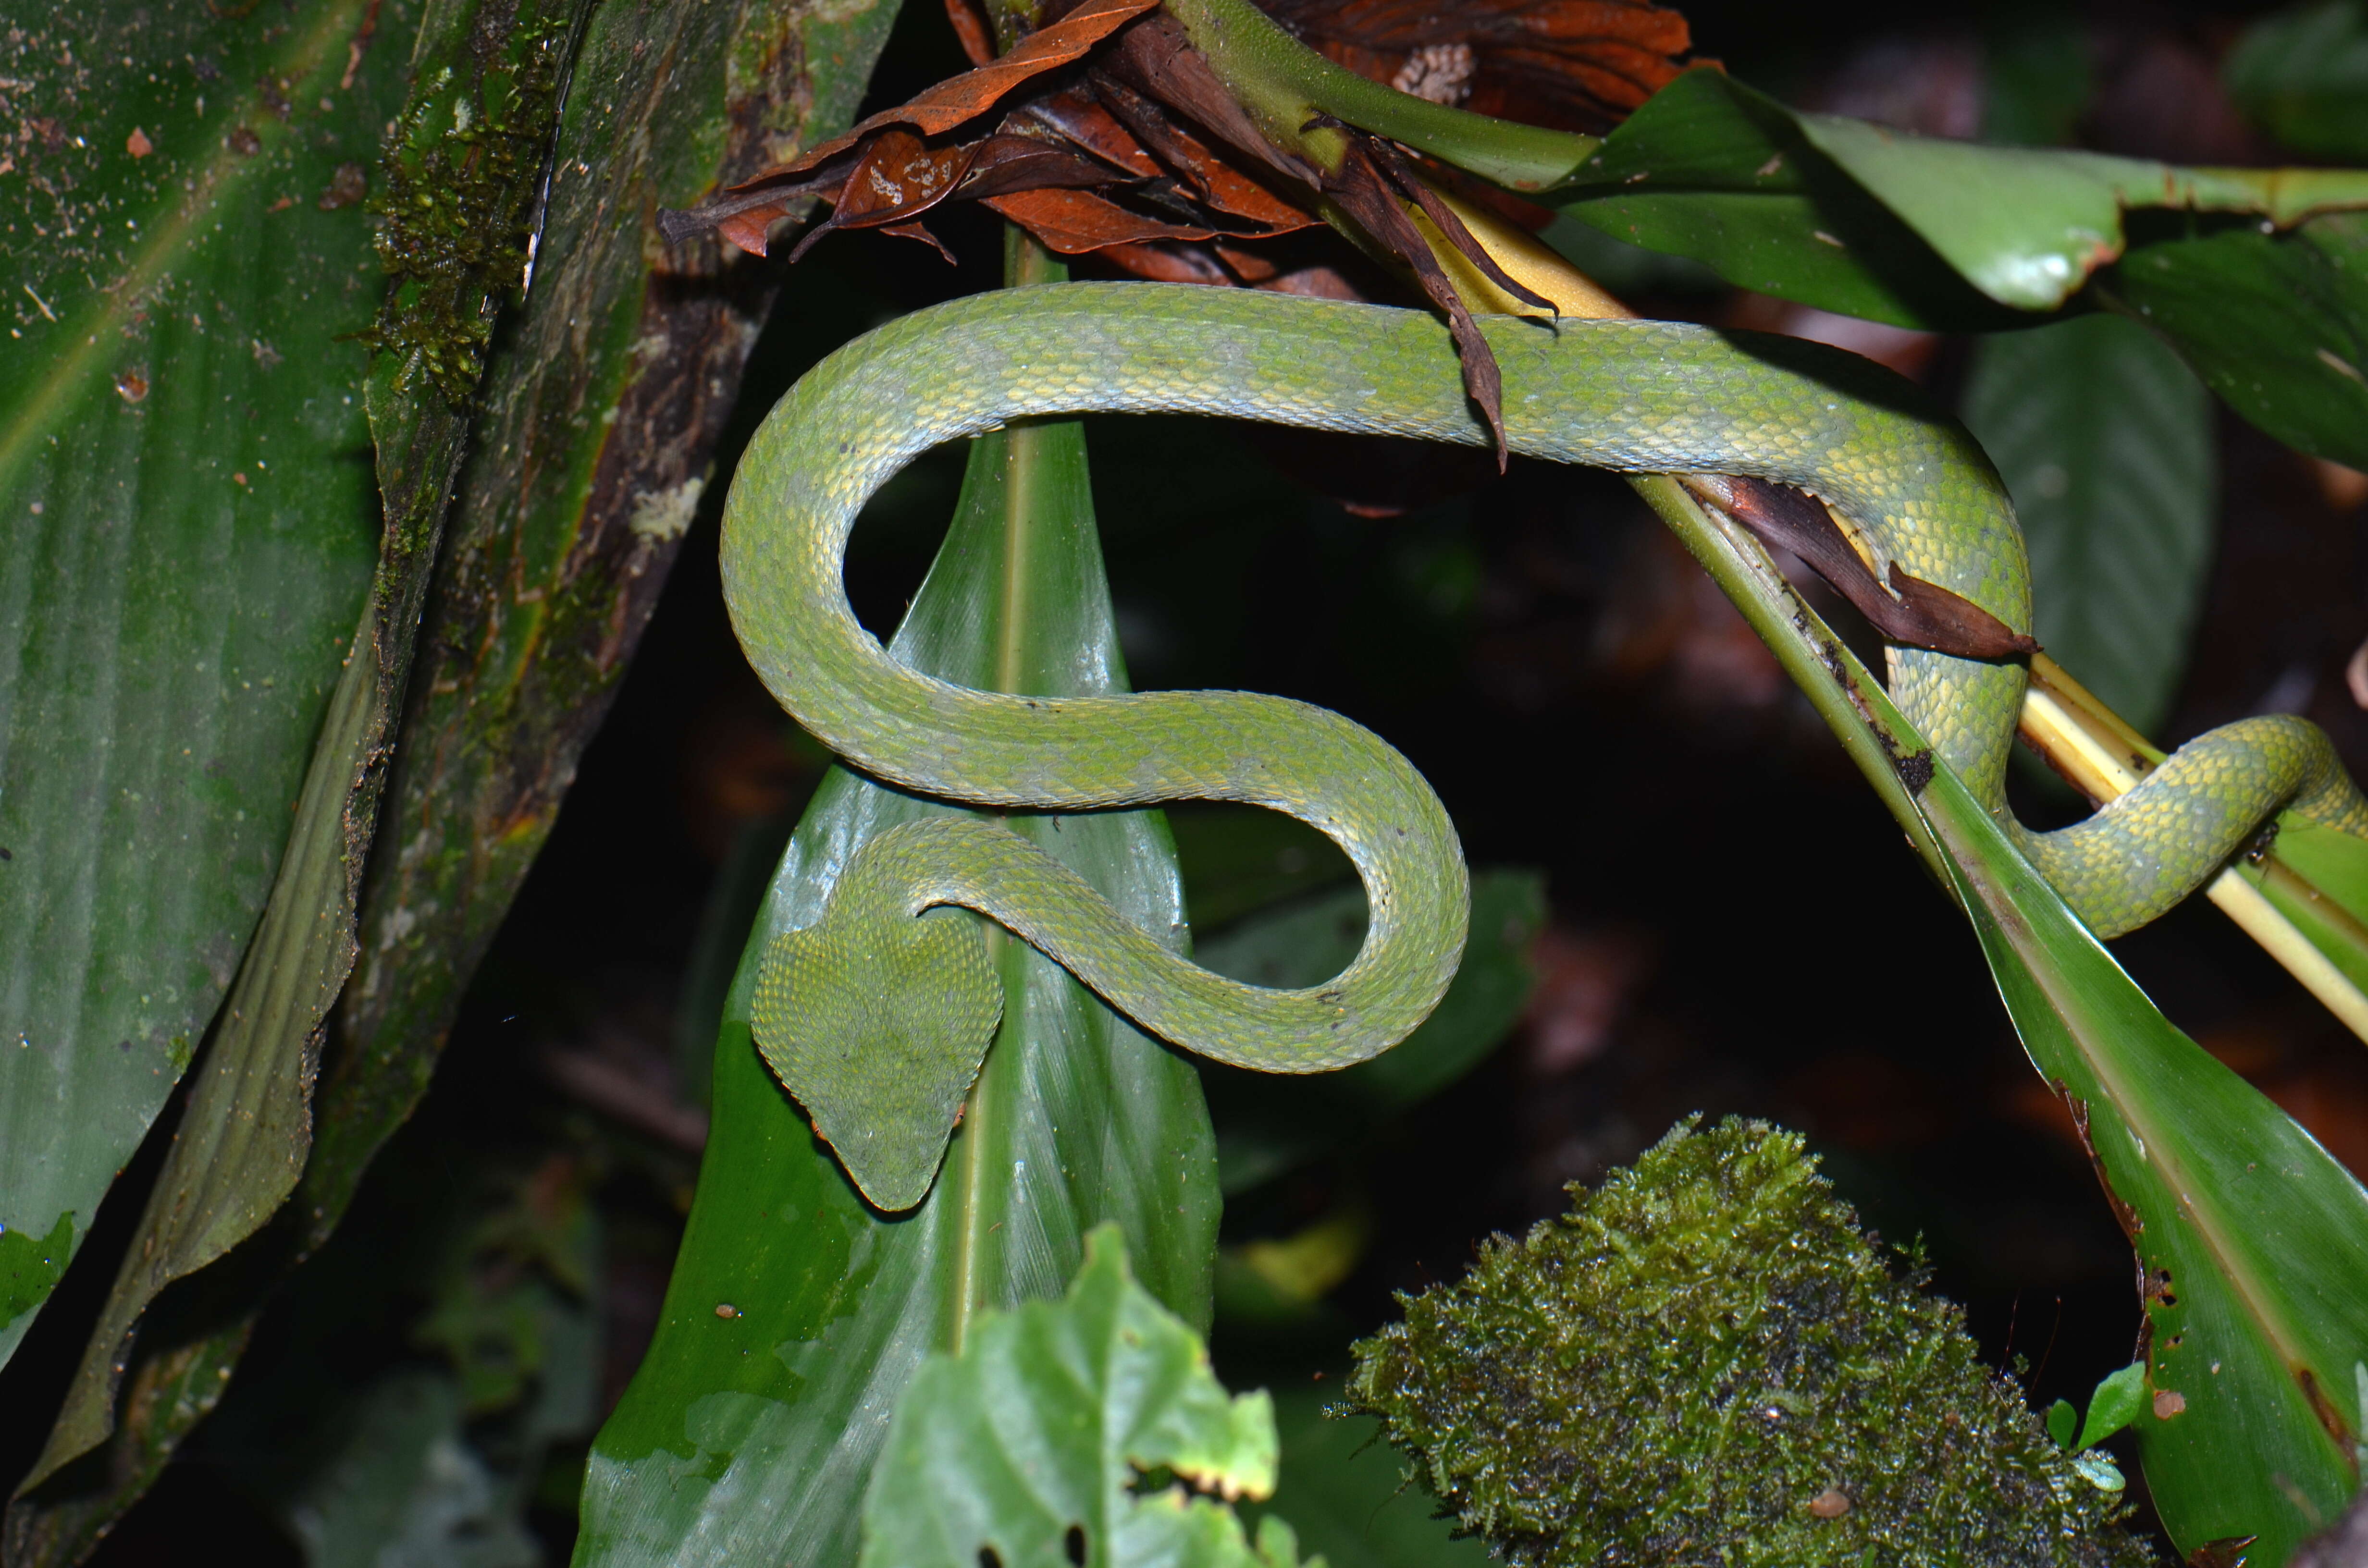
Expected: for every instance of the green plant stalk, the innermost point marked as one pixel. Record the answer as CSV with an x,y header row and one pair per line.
x,y
1284,86
975,1269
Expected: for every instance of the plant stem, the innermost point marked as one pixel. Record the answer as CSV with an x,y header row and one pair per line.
x,y
1024,263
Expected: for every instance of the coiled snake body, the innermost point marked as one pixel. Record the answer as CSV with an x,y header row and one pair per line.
x,y
876,1016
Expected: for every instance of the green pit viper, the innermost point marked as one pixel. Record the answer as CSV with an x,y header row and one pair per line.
x,y
876,1016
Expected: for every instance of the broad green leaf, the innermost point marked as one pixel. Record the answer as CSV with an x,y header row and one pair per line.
x,y
2277,324
1829,210
2105,442
2303,77
601,409
1025,1446
1712,170
2120,1399
244,1134
2252,1242
1348,1494
1268,1123
2028,226
184,468
1852,217
750,1435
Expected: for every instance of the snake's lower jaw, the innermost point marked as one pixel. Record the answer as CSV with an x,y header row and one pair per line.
x,y
878,1027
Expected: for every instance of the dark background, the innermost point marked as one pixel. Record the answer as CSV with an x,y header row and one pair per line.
x,y
1736,924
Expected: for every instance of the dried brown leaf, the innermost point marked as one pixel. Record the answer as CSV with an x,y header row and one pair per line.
x,y
1922,614
1207,174
1075,222
957,100
1361,190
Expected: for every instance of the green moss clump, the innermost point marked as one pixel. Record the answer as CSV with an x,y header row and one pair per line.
x,y
1707,1362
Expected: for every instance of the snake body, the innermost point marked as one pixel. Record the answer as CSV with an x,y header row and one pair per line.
x,y
876,1019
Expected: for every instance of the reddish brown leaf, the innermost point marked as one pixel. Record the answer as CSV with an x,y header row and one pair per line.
x,y
1005,164
1213,179
898,176
959,99
1399,170
1076,114
1155,59
895,180
1164,263
1075,221
1922,614
747,228
920,231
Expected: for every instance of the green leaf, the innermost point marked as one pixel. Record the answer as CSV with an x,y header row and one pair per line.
x,y
1346,1494
2317,878
184,472
2252,1242
2119,1401
1712,170
600,414
751,1436
2063,1420
2105,442
2303,77
243,1137
1871,221
1267,1123
1026,1447
2277,324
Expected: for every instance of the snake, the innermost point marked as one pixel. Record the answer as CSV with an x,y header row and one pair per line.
x,y
875,1017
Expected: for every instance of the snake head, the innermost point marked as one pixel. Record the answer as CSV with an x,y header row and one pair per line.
x,y
877,1020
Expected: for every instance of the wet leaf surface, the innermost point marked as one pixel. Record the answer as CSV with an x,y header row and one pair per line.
x,y
188,488
246,1128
